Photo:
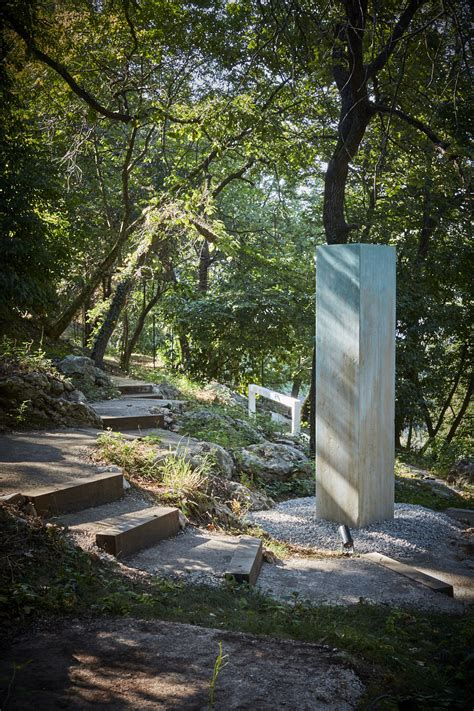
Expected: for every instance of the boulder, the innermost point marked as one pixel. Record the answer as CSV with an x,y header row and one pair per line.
x,y
198,422
272,461
76,365
251,500
222,394
462,473
167,391
221,461
92,382
207,418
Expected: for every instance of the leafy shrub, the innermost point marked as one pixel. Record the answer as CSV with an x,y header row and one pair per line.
x,y
175,481
24,358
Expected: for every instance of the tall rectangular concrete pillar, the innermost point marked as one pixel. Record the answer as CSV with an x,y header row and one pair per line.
x,y
355,383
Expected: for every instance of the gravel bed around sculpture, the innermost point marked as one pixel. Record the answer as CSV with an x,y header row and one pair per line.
x,y
413,530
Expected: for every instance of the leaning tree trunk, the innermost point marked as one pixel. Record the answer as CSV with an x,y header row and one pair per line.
x,y
128,350
122,291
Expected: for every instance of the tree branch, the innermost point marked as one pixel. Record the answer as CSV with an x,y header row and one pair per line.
x,y
64,73
398,32
416,123
232,176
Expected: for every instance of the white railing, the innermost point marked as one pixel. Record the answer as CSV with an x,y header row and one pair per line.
x,y
292,402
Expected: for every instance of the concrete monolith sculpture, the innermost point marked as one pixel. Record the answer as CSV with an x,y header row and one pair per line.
x,y
355,383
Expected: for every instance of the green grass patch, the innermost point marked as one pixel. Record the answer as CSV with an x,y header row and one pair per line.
x,y
189,388
410,489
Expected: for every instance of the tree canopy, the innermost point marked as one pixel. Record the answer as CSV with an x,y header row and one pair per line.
x,y
180,161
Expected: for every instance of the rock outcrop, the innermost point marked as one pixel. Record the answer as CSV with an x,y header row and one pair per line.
x,y
272,461
36,399
89,380
199,422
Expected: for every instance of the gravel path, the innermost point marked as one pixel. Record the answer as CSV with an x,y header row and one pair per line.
x,y
414,529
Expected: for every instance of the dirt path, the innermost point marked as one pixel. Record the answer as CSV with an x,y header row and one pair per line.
x,y
132,664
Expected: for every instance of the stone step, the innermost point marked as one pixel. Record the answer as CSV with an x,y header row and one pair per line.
x,y
140,529
77,494
246,561
132,422
143,396
135,388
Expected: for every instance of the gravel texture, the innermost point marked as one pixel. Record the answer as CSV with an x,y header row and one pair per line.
x,y
413,530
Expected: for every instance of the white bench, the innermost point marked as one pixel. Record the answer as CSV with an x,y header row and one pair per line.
x,y
292,402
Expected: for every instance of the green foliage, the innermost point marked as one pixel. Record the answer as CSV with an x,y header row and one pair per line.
x,y
232,159
410,488
219,664
189,388
227,426
292,489
137,458
170,476
24,358
32,226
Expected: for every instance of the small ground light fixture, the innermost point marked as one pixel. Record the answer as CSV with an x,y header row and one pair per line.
x,y
346,537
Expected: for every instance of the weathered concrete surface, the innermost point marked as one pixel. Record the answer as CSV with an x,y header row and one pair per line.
x,y
129,385
134,664
202,555
132,422
409,571
34,460
346,581
355,383
134,406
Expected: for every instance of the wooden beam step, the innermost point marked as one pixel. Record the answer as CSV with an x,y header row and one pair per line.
x,y
410,572
136,389
132,422
77,494
246,562
131,532
463,515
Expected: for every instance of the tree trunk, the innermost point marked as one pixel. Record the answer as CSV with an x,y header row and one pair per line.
x,y
458,419
295,388
127,353
204,264
56,329
125,331
185,352
122,291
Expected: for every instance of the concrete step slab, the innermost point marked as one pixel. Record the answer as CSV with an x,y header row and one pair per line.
x,y
247,560
135,389
409,571
132,422
134,531
143,396
131,385
139,405
463,515
77,494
